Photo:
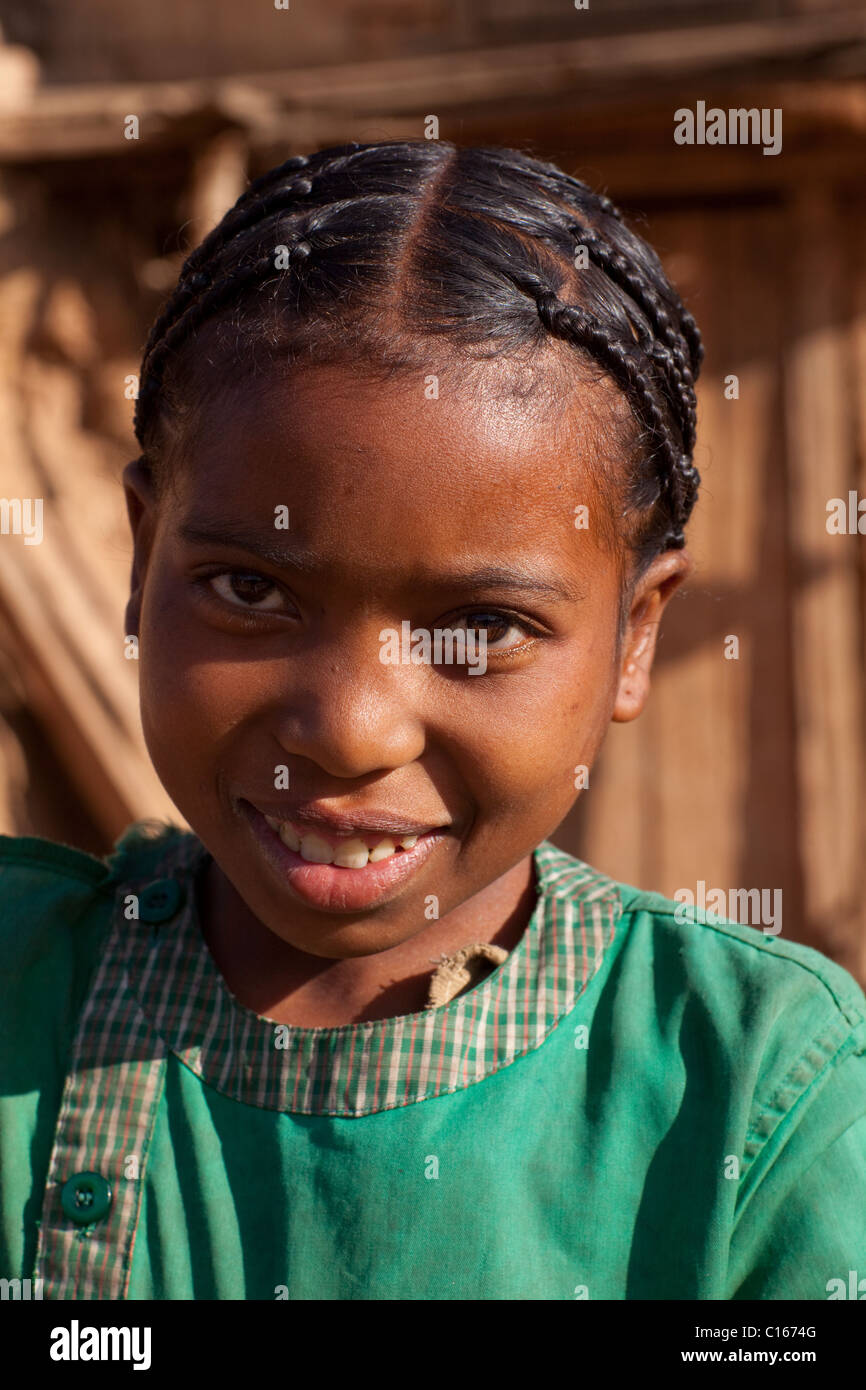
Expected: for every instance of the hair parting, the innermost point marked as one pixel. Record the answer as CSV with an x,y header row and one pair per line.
x,y
377,249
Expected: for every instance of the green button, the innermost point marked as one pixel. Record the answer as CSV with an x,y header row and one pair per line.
x,y
86,1198
160,900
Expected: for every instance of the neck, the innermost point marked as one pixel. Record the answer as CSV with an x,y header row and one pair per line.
x,y
275,979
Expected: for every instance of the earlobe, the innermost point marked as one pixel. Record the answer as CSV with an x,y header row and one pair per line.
x,y
651,597
634,681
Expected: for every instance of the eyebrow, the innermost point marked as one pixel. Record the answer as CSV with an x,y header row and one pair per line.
x,y
283,556
302,561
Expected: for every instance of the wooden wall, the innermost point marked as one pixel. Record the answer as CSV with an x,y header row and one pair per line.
x,y
101,40
748,773
741,773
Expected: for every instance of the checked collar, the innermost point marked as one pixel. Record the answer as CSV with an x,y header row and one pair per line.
x,y
166,982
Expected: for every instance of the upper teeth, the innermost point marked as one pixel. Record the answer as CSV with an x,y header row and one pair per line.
x,y
348,854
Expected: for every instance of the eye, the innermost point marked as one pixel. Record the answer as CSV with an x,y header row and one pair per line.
x,y
246,589
503,630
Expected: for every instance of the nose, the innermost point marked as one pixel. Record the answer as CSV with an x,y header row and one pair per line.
x,y
351,714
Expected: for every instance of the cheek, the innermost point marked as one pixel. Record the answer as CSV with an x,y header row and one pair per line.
x,y
513,743
526,744
189,695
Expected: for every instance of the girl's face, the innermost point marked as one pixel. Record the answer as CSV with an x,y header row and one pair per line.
x,y
264,692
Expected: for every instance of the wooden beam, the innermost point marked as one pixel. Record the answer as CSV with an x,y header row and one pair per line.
x,y
65,121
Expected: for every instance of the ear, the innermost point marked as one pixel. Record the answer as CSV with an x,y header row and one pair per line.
x,y
653,591
141,510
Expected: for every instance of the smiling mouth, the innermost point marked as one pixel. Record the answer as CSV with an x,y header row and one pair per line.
x,y
354,851
339,867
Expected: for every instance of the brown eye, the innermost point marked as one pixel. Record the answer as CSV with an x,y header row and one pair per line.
x,y
244,589
496,627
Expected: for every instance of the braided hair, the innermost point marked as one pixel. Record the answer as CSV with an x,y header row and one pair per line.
x,y
374,250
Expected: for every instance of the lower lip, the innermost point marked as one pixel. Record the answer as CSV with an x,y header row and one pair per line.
x,y
334,889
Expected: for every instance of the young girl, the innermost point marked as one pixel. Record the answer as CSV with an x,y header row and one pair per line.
x,y
416,428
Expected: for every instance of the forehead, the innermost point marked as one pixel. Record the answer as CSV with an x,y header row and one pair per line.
x,y
481,461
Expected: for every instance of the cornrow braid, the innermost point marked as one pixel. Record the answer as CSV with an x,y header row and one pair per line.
x,y
679,350
393,244
628,366
669,352
203,299
250,209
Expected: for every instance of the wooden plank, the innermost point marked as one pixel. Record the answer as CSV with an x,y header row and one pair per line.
x,y
853,225
702,786
700,719
62,599
63,120
114,776
627,146
219,177
827,619
691,734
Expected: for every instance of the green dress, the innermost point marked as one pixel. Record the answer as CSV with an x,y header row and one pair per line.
x,y
630,1106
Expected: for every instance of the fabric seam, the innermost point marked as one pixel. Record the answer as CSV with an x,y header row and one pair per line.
x,y
849,1008
91,874
846,1047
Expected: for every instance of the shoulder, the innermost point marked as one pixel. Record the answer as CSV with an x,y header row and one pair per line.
x,y
749,961
699,992
763,1042
56,908
56,901
772,1020
46,891
702,951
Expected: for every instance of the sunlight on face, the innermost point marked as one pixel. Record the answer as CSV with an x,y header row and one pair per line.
x,y
261,643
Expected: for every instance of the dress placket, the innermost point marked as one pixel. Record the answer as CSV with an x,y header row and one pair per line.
x,y
111,1095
